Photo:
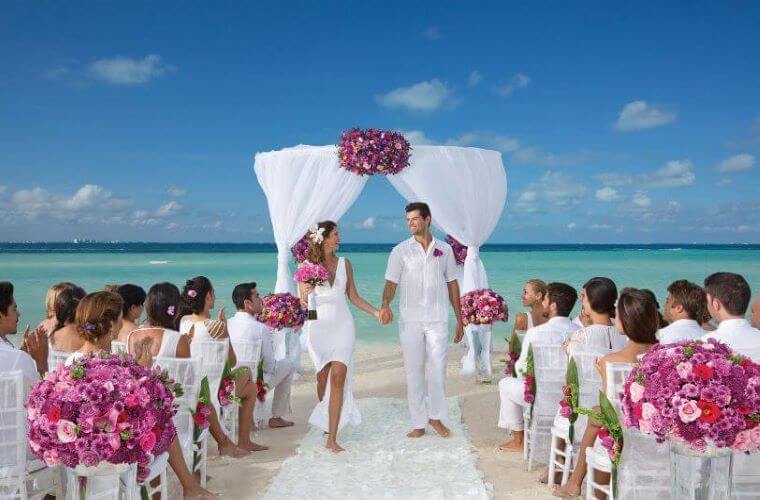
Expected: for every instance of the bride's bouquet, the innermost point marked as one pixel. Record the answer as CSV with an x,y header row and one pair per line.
x,y
314,275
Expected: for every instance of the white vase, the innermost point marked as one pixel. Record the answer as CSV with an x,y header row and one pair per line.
x,y
700,475
102,480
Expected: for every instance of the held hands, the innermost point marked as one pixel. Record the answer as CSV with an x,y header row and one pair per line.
x,y
459,332
385,315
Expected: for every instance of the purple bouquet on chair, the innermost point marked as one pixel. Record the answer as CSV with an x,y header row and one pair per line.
x,y
314,275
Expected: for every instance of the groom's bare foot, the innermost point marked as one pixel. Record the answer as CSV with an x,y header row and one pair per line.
x,y
441,429
513,445
277,422
416,433
334,447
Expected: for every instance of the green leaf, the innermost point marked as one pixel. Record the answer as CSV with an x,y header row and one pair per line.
x,y
514,344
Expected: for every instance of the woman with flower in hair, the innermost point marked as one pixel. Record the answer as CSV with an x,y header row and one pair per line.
x,y
64,336
332,335
98,320
637,317
198,299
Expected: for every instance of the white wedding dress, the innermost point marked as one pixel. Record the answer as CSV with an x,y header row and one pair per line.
x,y
331,337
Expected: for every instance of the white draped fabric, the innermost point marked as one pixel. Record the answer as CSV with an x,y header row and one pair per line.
x,y
466,189
303,185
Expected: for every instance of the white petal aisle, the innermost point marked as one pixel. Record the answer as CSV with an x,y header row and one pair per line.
x,y
381,462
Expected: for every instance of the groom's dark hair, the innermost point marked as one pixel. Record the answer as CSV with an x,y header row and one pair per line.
x,y
422,208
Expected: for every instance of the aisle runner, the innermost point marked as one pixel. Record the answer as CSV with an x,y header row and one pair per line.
x,y
381,462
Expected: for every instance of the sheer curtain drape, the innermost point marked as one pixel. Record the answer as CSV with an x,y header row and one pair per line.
x,y
466,189
303,185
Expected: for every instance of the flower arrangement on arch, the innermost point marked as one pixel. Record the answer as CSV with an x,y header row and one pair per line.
x,y
300,249
281,310
460,251
700,394
483,307
372,151
102,408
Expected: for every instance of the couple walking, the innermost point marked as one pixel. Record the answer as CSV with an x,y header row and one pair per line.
x,y
425,271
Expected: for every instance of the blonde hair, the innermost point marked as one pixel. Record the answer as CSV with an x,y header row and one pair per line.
x,y
316,254
96,315
52,294
539,286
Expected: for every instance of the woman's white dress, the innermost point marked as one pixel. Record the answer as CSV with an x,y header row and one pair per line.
x,y
331,338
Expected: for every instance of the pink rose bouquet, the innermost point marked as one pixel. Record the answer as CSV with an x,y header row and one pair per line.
x,y
483,307
460,251
102,409
281,310
698,393
226,393
371,151
314,275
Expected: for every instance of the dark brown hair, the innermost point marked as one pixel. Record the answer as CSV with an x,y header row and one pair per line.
x,y
731,289
691,297
563,295
422,208
639,315
96,315
601,294
65,305
315,254
200,286
162,299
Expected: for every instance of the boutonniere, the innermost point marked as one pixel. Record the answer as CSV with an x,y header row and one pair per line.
x,y
437,253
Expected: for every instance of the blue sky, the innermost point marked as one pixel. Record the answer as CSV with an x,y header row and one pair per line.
x,y
637,122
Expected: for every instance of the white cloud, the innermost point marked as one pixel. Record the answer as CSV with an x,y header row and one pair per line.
x,y
553,190
423,96
638,115
675,173
38,202
368,223
474,79
608,194
641,199
2,190
502,143
126,71
520,153
176,192
571,226
432,33
737,163
614,179
725,181
517,81
168,209
417,137
600,227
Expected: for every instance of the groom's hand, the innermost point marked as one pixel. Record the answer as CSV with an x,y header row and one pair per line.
x,y
386,316
459,333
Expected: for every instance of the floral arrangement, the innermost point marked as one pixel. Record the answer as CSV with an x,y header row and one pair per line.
x,y
610,433
313,274
201,416
281,310
529,388
261,387
226,393
483,307
514,347
697,393
300,249
460,251
568,405
102,408
372,151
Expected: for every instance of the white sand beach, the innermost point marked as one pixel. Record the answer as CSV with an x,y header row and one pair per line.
x,y
379,373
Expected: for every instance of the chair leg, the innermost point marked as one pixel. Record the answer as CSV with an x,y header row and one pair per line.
x,y
204,462
567,466
552,459
164,485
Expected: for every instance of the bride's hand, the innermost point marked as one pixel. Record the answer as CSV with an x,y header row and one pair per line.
x,y
308,288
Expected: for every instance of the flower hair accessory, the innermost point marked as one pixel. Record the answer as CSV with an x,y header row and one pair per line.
x,y
192,294
170,310
89,327
317,234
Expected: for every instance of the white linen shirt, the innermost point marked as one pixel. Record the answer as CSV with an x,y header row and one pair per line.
x,y
739,335
12,359
555,331
680,330
244,327
423,278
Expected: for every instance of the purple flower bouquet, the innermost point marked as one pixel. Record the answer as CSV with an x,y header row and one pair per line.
x,y
281,310
300,249
314,275
372,151
460,251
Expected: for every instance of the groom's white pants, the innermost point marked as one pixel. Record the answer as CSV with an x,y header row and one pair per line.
x,y
424,347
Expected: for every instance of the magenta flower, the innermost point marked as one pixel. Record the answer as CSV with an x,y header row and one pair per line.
x,y
372,151
313,274
281,310
300,249
460,251
483,307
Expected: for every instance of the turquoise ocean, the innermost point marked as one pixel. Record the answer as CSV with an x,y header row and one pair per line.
x,y
32,268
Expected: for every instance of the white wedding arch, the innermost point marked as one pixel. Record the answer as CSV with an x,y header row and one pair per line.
x,y
466,189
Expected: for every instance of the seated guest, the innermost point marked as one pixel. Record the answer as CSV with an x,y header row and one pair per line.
x,y
48,324
533,295
728,297
598,304
663,321
558,303
637,317
134,299
755,314
64,336
158,335
243,326
685,305
98,320
31,359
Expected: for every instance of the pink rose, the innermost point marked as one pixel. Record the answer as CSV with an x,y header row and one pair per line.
x,y
689,412
645,426
648,411
755,435
114,440
637,392
131,401
51,458
147,442
66,431
743,441
684,369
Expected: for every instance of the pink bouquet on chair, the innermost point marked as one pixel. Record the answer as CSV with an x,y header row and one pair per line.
x,y
102,409
700,394
281,310
483,307
314,275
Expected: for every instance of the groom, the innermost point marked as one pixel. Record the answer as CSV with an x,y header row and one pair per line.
x,y
426,272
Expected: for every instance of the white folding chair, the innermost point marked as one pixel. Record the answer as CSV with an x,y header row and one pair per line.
x,y
117,346
20,477
550,365
55,357
248,355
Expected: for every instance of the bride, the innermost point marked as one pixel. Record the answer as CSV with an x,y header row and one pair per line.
x,y
331,336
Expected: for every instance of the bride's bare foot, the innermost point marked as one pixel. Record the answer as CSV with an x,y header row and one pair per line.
x,y
416,433
441,429
277,422
251,446
569,490
513,445
198,493
544,478
229,449
334,447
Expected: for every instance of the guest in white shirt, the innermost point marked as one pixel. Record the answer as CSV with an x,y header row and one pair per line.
x,y
685,305
728,297
31,359
243,326
558,303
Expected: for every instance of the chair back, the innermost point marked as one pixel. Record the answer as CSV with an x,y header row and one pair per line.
x,y
589,378
13,442
644,470
187,373
55,357
118,347
213,356
752,353
617,374
550,366
248,354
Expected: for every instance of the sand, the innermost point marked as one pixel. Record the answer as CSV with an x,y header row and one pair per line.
x,y
379,373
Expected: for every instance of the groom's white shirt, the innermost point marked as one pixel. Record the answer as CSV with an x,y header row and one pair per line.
x,y
422,279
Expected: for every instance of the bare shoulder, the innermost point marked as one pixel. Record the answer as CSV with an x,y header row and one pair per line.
x,y
521,321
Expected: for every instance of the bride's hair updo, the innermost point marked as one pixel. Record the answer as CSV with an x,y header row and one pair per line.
x,y
316,253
